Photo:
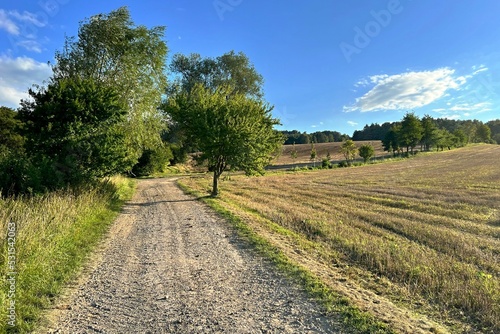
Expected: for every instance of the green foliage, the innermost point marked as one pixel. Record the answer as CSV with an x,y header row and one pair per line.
x,y
444,139
411,131
297,137
229,70
326,163
293,154
75,123
112,51
10,126
483,133
153,161
429,132
366,152
313,153
459,138
349,150
231,133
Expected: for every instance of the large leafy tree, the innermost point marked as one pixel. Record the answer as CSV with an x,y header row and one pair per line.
x,y
75,124
229,70
112,51
483,133
231,133
391,141
429,132
411,131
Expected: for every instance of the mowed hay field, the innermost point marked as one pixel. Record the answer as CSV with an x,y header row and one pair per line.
x,y
421,233
322,149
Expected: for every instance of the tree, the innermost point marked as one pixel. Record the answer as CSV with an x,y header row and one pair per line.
x,y
293,154
366,152
460,139
229,70
391,140
10,126
429,132
444,139
411,131
313,154
494,126
231,133
349,150
483,133
112,51
75,123
303,138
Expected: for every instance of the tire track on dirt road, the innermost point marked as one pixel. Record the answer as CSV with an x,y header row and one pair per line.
x,y
170,265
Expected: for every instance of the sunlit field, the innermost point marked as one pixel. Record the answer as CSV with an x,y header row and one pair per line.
x,y
424,229
322,150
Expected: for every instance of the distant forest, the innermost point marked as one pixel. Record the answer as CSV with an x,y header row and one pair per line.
x,y
297,137
377,131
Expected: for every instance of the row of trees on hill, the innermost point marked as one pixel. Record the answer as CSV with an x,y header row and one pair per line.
x,y
426,133
474,130
107,109
297,137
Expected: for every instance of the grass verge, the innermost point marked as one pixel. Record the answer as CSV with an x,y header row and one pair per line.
x,y
44,240
354,318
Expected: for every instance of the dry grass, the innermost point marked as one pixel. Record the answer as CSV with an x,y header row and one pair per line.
x,y
429,225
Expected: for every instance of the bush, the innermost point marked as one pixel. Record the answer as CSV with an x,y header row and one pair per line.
x,y
326,163
153,161
343,164
22,175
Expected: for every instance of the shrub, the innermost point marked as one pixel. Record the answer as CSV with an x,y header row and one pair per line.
x,y
366,152
153,161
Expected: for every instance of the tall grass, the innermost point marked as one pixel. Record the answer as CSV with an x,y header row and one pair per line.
x,y
430,224
54,233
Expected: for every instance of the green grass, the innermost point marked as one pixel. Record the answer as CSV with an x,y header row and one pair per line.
x,y
54,235
428,225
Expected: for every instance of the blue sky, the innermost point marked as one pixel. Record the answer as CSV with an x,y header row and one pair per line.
x,y
327,64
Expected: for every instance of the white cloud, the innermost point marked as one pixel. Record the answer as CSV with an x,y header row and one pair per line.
x,y
482,106
28,17
7,24
31,45
351,123
17,75
407,90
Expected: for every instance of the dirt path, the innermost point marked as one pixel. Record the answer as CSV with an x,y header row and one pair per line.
x,y
170,265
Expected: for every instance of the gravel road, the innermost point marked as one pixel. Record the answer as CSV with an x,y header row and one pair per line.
x,y
171,265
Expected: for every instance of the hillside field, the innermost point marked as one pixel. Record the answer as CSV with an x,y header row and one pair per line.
x,y
322,149
403,240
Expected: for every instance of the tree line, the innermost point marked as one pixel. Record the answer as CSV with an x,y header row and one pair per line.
x,y
297,137
474,130
108,108
426,133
